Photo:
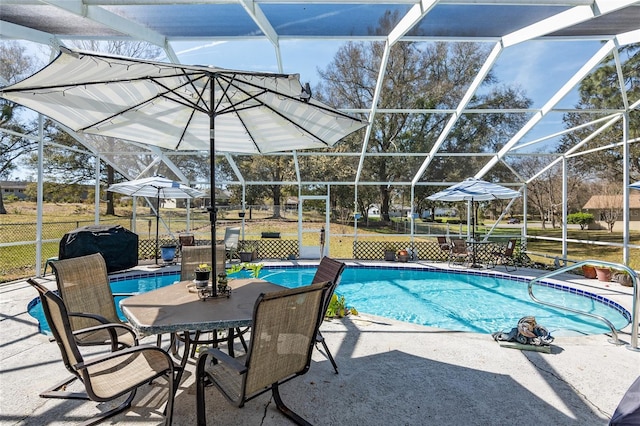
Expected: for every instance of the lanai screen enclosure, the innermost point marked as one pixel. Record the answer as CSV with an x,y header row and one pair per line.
x,y
579,35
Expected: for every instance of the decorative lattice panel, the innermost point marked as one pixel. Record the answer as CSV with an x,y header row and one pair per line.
x,y
424,250
271,248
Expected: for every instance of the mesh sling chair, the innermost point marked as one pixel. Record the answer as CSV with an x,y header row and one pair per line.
x,y
445,247
283,332
192,256
84,286
105,376
505,257
328,270
231,242
459,254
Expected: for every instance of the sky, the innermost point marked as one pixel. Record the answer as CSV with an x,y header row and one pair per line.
x,y
540,68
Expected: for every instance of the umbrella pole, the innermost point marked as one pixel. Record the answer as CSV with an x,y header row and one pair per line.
x,y
475,245
155,255
212,175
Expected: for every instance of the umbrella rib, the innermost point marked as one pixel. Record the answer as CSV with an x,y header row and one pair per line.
x,y
234,108
163,95
283,95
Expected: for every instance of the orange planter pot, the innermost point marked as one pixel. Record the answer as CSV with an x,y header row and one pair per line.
x,y
589,271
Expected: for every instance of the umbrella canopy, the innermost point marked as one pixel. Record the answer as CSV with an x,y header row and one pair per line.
x,y
157,187
172,106
472,189
635,185
181,107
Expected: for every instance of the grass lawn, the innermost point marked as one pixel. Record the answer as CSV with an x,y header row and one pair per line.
x,y
341,237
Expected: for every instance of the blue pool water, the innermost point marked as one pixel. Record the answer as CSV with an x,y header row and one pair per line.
x,y
481,303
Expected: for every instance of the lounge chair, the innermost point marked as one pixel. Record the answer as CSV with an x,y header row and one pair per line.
x,y
505,257
105,376
283,332
328,270
231,242
84,286
459,253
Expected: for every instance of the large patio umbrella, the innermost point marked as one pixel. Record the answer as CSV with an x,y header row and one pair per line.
x,y
181,107
474,190
157,187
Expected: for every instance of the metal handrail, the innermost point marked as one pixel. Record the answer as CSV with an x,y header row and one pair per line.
x,y
635,306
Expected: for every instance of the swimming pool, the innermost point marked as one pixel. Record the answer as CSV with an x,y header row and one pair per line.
x,y
480,302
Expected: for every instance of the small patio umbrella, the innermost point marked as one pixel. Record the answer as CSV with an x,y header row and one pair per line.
x,y
474,190
181,107
157,187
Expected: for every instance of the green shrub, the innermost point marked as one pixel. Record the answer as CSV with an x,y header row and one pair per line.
x,y
580,218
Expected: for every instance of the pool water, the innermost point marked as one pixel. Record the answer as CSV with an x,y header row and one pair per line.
x,y
480,303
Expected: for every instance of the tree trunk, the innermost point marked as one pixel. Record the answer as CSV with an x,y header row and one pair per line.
x,y
2,209
276,202
384,205
110,179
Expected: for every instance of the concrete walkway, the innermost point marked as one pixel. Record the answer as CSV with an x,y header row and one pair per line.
x,y
390,373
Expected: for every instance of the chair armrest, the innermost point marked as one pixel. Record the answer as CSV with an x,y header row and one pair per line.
x,y
124,353
110,327
218,355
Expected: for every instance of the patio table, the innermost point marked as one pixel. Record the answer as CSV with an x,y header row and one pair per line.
x,y
174,308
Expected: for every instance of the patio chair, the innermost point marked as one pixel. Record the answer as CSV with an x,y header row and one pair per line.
x,y
444,245
328,270
505,257
84,287
285,324
186,239
192,256
231,242
105,376
459,253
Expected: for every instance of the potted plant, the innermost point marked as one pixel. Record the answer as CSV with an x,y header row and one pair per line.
x,y
390,254
222,282
603,273
203,271
589,271
403,255
623,278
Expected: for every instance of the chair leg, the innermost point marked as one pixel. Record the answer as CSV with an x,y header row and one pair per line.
x,y
107,414
320,339
286,410
200,394
56,391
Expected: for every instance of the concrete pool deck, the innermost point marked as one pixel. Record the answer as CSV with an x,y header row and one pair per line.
x,y
390,373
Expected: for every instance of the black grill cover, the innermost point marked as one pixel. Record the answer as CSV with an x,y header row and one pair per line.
x,y
117,245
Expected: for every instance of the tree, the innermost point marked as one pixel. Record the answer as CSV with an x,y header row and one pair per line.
x,y
601,90
421,76
266,168
580,218
608,203
15,64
